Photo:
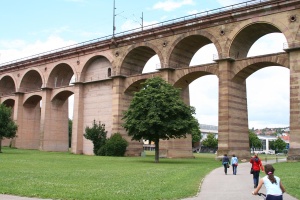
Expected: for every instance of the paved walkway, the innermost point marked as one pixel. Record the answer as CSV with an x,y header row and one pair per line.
x,y
215,186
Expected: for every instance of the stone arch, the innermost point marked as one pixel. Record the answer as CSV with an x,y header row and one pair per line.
x,y
246,68
29,125
297,37
60,76
9,103
32,80
32,101
243,37
187,45
134,86
62,96
56,137
7,85
188,76
96,68
136,58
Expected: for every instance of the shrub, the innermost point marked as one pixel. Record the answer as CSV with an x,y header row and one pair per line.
x,y
114,146
97,135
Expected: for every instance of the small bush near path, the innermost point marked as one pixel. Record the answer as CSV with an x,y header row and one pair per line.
x,y
57,175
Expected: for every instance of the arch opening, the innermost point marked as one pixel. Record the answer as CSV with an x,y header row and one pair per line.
x,y
58,136
152,65
185,49
7,86
268,44
32,81
268,98
248,36
60,76
136,60
96,69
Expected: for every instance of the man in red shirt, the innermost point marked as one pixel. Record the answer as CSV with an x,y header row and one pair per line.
x,y
256,166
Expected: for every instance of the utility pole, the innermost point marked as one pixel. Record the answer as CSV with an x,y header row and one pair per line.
x,y
142,21
114,15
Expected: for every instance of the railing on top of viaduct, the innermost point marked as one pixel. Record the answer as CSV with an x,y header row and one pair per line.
x,y
104,39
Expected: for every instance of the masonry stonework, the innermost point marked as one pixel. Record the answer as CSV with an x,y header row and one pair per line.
x,y
103,76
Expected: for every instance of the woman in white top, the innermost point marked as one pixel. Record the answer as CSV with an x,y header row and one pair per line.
x,y
272,183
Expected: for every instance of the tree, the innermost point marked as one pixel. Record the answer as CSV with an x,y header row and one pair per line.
x,y
278,145
8,128
70,132
254,141
157,112
196,134
210,141
97,135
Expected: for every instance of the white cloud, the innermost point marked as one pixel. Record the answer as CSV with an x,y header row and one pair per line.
x,y
17,49
170,5
268,97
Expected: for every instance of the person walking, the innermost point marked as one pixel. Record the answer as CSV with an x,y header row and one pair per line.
x,y
225,163
256,166
234,163
272,183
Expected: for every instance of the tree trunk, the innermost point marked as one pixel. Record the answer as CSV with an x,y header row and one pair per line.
x,y
0,145
156,150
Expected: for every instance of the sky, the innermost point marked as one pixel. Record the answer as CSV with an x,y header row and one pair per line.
x,y
36,26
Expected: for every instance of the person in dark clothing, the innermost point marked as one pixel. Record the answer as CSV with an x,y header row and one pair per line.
x,y
225,163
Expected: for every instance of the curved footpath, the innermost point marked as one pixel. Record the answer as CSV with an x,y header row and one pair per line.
x,y
215,186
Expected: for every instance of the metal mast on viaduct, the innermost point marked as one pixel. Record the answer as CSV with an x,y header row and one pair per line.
x,y
108,70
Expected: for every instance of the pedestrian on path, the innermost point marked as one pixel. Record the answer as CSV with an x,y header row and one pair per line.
x,y
256,166
225,163
234,163
272,183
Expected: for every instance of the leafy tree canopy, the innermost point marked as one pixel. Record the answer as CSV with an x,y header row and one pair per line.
x,y
8,128
158,112
254,141
196,134
278,145
210,141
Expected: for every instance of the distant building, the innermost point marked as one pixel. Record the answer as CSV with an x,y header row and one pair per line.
x,y
265,139
206,129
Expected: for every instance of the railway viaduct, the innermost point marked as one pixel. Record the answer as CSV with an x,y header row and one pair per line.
x,y
108,70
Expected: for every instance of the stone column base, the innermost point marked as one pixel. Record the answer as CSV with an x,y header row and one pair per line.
x,y
293,155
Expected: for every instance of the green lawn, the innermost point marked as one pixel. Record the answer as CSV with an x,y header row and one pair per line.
x,y
290,177
67,176
288,172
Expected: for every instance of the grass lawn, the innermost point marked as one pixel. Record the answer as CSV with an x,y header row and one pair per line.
x,y
67,176
59,175
290,177
289,173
